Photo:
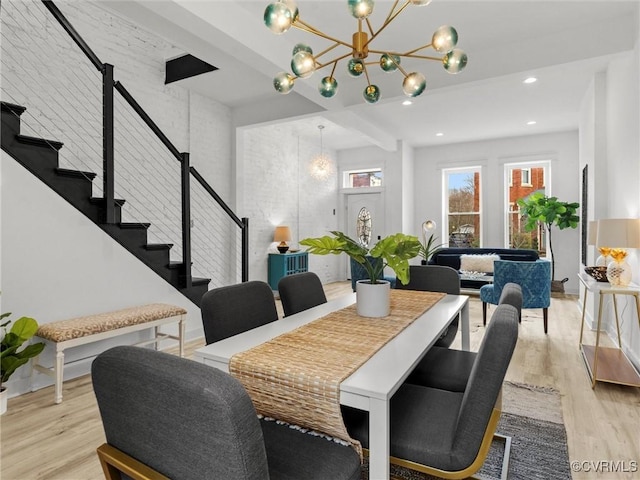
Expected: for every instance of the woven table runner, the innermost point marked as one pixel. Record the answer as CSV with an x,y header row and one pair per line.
x,y
296,376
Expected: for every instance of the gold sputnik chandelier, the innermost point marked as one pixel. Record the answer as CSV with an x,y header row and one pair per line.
x,y
281,15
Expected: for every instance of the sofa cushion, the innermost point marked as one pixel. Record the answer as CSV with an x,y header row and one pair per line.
x,y
478,263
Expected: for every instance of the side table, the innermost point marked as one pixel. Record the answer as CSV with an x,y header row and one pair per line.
x,y
283,264
606,364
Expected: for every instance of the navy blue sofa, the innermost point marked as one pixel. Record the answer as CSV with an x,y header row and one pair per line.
x,y
450,257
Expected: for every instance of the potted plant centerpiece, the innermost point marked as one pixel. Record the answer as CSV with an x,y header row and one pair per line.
x,y
549,211
393,251
11,359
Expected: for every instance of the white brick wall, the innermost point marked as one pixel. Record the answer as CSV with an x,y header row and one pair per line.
x,y
280,191
45,71
39,61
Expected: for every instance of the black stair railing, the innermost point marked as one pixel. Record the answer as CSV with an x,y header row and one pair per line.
x,y
108,86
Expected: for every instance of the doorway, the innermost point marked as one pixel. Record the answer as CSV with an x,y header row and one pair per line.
x,y
372,202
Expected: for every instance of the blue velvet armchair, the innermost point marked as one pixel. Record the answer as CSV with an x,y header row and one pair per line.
x,y
533,277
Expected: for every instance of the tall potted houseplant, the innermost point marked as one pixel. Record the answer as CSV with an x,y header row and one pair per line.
x,y
393,251
11,357
537,208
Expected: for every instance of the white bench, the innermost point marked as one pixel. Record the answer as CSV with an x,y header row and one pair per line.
x,y
92,328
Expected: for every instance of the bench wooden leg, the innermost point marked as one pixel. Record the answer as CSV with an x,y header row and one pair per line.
x,y
181,329
59,375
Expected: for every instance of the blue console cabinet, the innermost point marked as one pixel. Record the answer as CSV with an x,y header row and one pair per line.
x,y
283,264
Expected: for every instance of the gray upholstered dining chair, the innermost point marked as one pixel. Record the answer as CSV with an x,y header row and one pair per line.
x,y
512,295
227,311
436,278
167,417
300,291
448,368
447,433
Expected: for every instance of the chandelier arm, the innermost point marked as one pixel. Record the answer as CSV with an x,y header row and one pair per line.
x,y
402,70
390,19
393,7
317,32
369,25
333,70
416,50
335,60
326,50
423,57
366,74
304,26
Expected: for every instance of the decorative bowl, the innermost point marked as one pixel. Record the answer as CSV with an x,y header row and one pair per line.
x,y
599,273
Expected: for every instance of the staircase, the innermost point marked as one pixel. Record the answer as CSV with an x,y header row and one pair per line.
x,y
40,157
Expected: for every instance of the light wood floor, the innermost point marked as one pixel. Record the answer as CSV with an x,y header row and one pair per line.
x,y
41,440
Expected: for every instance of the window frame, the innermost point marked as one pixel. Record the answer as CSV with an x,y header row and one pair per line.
x,y
446,172
509,167
347,177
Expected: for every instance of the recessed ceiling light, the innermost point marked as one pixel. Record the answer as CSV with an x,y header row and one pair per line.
x,y
439,134
530,80
407,102
531,122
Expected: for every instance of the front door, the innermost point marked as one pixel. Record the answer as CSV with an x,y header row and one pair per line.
x,y
372,202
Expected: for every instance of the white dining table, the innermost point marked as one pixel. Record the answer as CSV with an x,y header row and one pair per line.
x,y
373,384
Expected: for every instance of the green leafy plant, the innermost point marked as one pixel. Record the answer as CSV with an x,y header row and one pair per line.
x,y
21,331
428,246
393,251
548,211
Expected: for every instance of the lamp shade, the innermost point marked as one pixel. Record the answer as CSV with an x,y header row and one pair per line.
x,y
282,234
618,233
593,233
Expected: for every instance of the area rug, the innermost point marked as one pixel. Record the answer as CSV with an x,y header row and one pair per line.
x,y
532,417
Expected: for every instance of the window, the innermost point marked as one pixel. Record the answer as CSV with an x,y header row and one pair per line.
x,y
524,179
363,178
462,206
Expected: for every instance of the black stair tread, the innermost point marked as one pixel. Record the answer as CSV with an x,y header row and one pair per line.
x,y
65,172
40,142
174,264
134,225
98,200
12,107
158,246
200,281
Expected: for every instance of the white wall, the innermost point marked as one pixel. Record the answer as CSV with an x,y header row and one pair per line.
x,y
57,264
610,146
277,189
392,165
47,73
560,148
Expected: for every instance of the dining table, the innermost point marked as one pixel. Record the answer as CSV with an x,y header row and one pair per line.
x,y
371,386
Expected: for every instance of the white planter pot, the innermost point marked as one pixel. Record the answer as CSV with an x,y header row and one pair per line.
x,y
373,300
3,400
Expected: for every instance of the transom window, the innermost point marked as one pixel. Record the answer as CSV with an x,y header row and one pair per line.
x,y
363,178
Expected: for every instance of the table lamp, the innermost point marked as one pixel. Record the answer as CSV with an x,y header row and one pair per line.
x,y
603,259
618,234
282,235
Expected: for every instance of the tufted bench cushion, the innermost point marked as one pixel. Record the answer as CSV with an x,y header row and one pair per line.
x,y
78,331
63,330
